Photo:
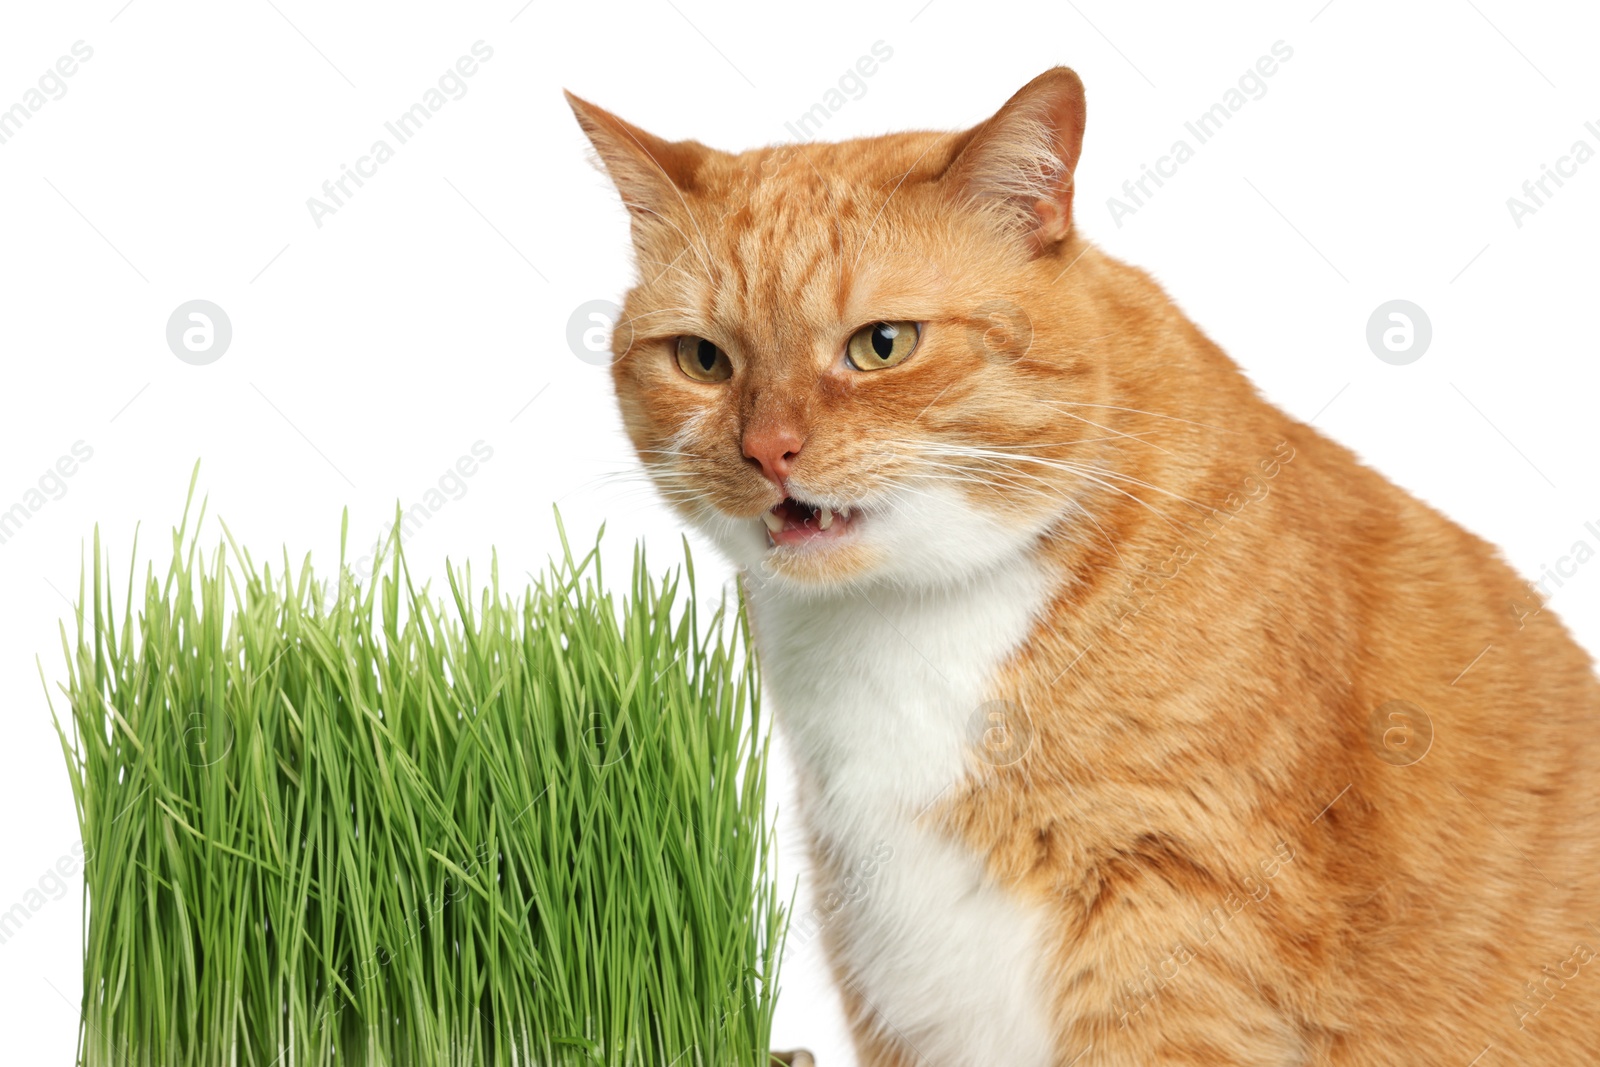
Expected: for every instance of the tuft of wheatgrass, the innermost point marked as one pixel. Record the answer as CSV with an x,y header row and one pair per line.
x,y
327,824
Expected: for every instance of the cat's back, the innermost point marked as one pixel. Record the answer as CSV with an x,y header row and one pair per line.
x,y
1473,745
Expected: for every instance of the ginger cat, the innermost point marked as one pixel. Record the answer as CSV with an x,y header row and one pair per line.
x,y
1145,724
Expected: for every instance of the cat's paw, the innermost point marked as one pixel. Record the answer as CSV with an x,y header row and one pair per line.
x,y
797,1058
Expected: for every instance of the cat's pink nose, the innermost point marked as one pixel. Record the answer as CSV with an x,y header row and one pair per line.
x,y
774,447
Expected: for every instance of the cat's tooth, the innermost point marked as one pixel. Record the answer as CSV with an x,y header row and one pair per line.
x,y
824,518
844,513
774,523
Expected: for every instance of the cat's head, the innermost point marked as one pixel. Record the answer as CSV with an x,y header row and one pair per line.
x,y
849,362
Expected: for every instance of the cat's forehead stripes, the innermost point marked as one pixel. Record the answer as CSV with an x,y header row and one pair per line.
x,y
788,238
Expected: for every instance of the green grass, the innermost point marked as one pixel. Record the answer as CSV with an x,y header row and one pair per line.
x,y
336,825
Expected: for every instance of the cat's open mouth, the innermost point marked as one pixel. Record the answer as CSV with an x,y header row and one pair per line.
x,y
794,522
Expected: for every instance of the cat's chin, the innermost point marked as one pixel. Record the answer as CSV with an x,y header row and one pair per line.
x,y
796,546
818,565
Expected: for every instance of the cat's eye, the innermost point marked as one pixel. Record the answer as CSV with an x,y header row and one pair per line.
x,y
703,361
883,344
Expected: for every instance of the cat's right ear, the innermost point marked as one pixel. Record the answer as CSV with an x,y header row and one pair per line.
x,y
1019,164
652,174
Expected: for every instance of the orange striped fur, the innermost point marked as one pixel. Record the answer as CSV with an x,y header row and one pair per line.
x,y
1196,776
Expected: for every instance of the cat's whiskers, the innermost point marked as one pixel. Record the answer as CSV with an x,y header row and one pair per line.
x,y
627,484
1080,468
661,311
638,491
1135,411
987,479
1077,340
672,266
899,502
1070,466
1003,468
886,200
670,452
1086,473
1068,444
1110,430
1041,487
704,244
703,256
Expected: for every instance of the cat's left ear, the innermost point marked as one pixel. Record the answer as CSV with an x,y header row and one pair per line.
x,y
650,172
1019,164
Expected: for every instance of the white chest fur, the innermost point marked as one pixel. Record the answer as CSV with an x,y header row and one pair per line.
x,y
878,695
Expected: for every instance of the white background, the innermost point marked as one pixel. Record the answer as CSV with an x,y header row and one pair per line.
x,y
431,310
